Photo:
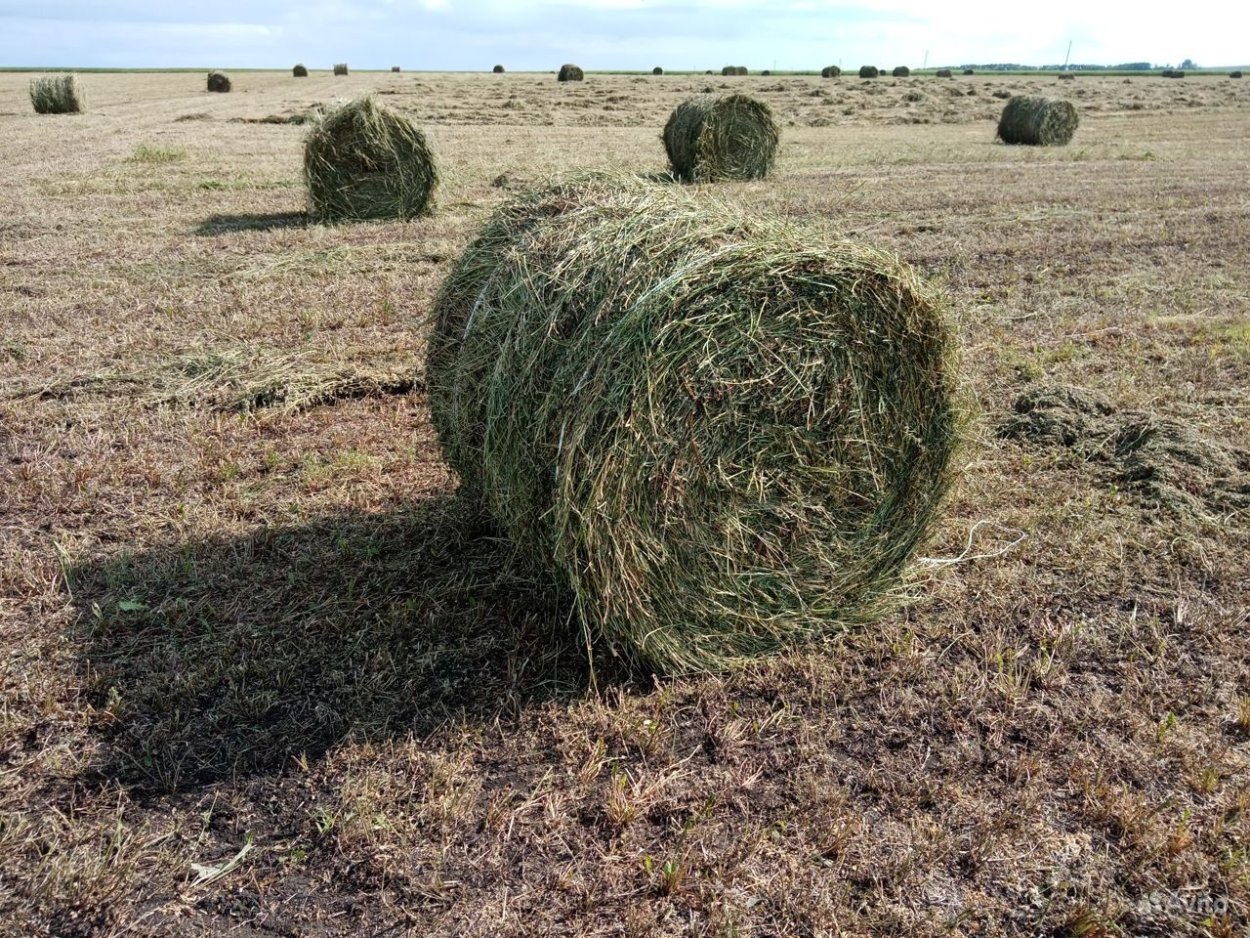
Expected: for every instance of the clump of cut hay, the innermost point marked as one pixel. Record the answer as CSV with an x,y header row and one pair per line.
x,y
969,71
712,136
570,72
340,68
498,70
1067,76
869,71
657,71
721,436
58,94
1173,73
1234,74
363,160
299,71
901,71
219,82
1038,121
943,73
830,71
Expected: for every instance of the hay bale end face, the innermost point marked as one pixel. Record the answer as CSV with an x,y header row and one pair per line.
x,y
498,70
299,71
943,73
720,436
363,160
219,82
901,71
570,72
340,68
712,136
58,94
1038,121
869,71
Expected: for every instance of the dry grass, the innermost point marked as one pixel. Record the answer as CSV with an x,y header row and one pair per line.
x,y
279,627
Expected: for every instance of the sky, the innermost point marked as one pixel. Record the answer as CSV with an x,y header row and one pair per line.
x,y
474,35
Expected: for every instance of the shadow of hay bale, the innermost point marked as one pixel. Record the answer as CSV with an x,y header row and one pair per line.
x,y
262,221
230,656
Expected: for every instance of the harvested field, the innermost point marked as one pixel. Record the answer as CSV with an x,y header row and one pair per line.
x,y
264,672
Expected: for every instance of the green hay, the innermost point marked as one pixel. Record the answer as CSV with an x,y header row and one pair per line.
x,y
1038,121
340,68
869,71
218,82
901,71
498,70
943,73
830,71
713,136
58,94
363,160
720,435
570,72
300,71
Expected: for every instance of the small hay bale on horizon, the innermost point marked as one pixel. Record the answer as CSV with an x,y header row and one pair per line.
x,y
218,82
901,71
1037,121
395,68
943,73
717,436
869,71
734,70
498,70
1067,76
299,71
570,72
830,71
1173,73
340,68
711,136
970,71
363,160
657,71
57,94
1234,74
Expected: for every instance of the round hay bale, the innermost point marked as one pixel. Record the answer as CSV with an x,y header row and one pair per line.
x,y
657,71
1234,74
570,72
394,68
1173,73
901,71
497,70
969,71
766,73
1066,76
340,68
943,73
830,71
709,72
711,136
720,436
363,160
299,71
58,94
1038,121
219,82
869,71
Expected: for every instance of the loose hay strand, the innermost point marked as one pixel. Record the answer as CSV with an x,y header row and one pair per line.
x,y
710,136
720,438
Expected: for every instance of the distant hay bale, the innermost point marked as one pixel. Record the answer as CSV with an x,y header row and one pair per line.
x,y
734,70
901,71
300,71
340,68
1173,73
363,160
657,71
58,94
709,72
766,72
218,81
869,71
498,70
1066,76
394,68
718,435
712,136
1235,74
1037,121
943,73
969,71
830,71
570,72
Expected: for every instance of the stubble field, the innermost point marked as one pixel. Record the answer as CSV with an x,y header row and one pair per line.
x,y
261,673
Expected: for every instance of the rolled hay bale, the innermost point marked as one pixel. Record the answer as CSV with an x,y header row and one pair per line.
x,y
766,73
657,71
219,82
58,94
570,72
901,71
943,73
299,71
721,436
1234,74
970,71
1037,121
394,68
1066,76
340,68
1173,73
363,160
711,136
830,71
498,70
869,71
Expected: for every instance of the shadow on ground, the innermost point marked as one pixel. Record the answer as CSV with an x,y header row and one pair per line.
x,y
229,657
225,224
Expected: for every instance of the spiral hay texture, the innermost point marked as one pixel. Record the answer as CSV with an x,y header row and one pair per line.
x,y
1038,121
570,72
363,160
721,436
712,136
219,82
58,94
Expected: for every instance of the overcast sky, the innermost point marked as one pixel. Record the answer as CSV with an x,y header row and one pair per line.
x,y
616,34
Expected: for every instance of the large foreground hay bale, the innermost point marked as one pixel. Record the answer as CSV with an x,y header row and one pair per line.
x,y
219,82
570,72
299,71
363,160
1038,121
340,68
901,71
712,136
58,94
720,435
869,71
830,71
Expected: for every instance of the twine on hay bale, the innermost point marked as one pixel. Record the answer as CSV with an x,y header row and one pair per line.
x,y
869,71
57,94
498,70
363,160
340,68
719,435
711,136
299,71
943,73
901,71
830,71
570,72
1038,121
218,81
